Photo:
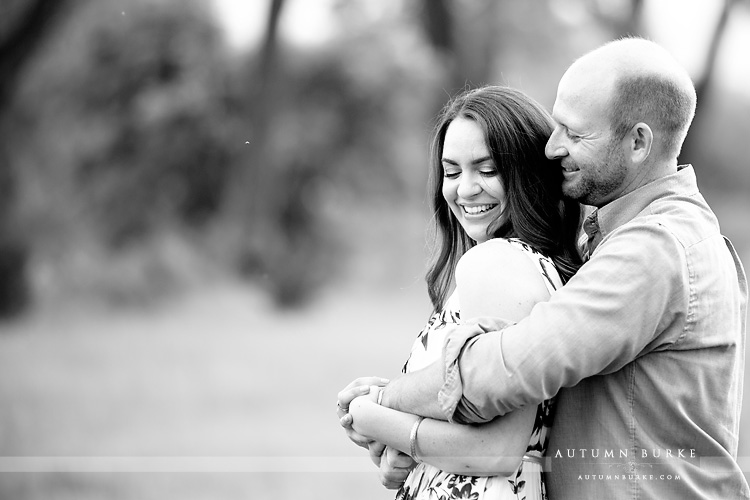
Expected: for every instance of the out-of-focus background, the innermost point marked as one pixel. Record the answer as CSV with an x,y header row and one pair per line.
x,y
213,216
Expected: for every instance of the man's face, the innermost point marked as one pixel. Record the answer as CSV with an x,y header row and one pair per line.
x,y
594,169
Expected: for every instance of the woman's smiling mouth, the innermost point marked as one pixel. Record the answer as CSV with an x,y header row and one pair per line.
x,y
478,209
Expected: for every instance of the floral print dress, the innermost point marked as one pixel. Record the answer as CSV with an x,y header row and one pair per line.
x,y
426,482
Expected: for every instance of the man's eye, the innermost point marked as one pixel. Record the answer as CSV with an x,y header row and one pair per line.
x,y
573,137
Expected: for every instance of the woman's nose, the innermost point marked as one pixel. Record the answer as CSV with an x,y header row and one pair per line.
x,y
468,185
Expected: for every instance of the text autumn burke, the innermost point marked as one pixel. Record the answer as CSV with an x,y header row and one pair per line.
x,y
622,453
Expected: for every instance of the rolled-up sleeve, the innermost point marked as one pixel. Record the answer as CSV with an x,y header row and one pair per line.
x,y
616,308
455,407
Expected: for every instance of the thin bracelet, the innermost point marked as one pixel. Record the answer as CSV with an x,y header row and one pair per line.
x,y
413,440
380,396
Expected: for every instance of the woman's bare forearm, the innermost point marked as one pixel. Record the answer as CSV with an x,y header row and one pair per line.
x,y
491,449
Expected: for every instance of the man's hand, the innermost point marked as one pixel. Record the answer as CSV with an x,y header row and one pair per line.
x,y
358,387
376,452
394,468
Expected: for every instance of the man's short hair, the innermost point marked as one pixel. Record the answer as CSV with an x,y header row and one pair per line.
x,y
656,100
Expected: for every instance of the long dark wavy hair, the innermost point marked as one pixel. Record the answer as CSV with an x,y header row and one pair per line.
x,y
516,129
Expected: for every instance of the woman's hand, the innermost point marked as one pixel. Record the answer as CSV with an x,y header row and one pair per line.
x,y
358,387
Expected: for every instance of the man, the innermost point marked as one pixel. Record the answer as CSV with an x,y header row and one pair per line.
x,y
644,347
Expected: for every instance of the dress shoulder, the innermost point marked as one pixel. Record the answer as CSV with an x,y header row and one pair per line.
x,y
510,260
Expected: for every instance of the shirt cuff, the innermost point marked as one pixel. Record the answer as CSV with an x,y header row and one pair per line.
x,y
450,397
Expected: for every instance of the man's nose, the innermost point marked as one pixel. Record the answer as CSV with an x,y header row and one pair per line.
x,y
554,148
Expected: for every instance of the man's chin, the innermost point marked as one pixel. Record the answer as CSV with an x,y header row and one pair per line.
x,y
570,190
575,193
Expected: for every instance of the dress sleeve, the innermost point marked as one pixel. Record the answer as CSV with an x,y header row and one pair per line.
x,y
615,309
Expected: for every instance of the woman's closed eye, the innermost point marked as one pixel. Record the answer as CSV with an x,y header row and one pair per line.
x,y
451,173
451,170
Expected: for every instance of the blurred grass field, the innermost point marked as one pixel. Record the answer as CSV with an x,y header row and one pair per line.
x,y
217,374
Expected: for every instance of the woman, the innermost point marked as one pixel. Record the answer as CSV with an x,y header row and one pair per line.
x,y
507,239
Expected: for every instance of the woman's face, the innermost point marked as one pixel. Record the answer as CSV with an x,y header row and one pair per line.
x,y
471,184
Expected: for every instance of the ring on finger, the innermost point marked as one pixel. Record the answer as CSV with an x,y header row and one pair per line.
x,y
345,409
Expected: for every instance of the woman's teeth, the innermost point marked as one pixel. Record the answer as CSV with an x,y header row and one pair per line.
x,y
478,209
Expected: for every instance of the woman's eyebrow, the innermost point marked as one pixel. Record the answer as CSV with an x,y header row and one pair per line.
x,y
481,160
473,162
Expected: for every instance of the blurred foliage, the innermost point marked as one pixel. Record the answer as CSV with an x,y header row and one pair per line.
x,y
150,85
146,156
120,134
333,138
150,124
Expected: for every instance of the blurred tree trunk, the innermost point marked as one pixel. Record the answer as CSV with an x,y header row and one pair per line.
x,y
19,42
625,23
463,37
701,86
692,146
244,207
246,213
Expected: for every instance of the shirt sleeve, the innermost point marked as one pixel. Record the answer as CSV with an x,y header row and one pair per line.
x,y
457,338
615,309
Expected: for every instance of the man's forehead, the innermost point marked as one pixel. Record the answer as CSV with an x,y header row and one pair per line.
x,y
581,100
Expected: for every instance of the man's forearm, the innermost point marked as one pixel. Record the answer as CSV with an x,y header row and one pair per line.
x,y
417,392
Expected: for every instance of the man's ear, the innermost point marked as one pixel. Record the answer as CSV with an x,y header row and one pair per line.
x,y
640,138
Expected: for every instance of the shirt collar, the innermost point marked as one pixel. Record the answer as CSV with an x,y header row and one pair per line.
x,y
617,212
